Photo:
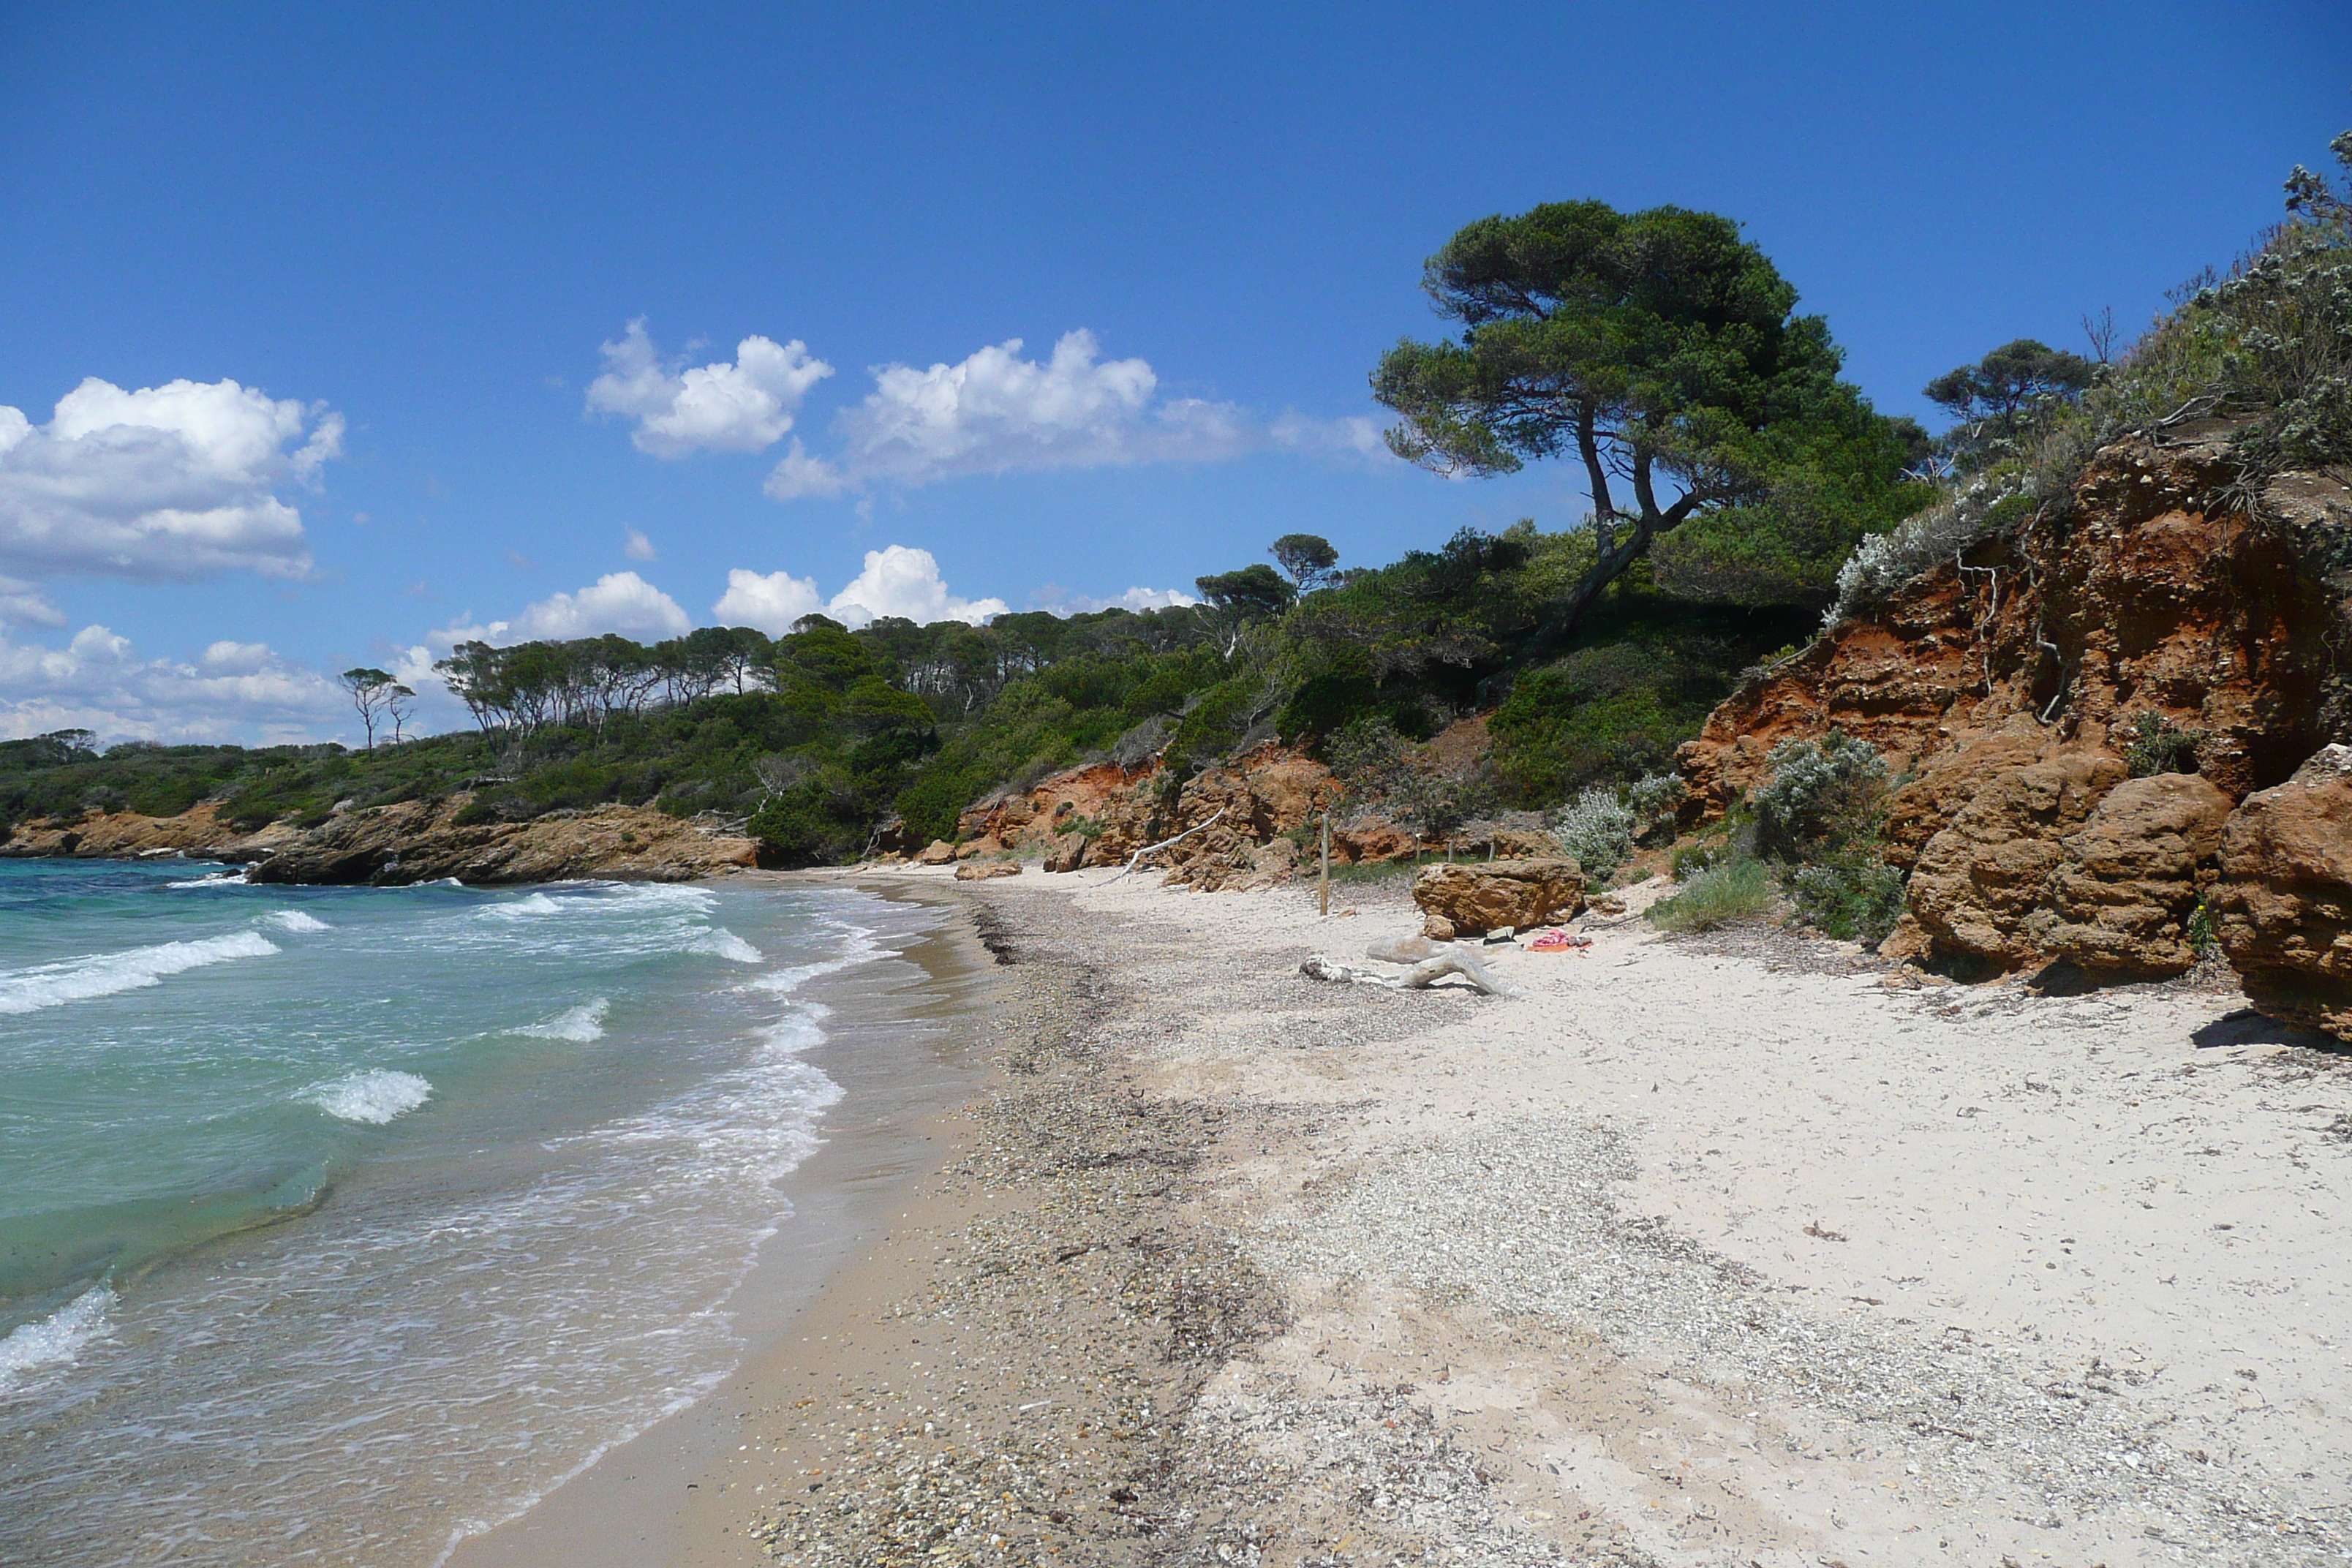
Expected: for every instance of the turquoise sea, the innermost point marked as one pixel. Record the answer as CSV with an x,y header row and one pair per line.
x,y
336,1222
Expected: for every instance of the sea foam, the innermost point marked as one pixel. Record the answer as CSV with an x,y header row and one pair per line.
x,y
720,942
104,973
216,880
371,1097
55,1339
581,1024
518,908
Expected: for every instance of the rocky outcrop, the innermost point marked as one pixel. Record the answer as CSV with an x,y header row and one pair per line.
x,y
127,835
2146,595
1244,819
2128,880
2282,902
1980,879
1475,899
416,841
2010,682
1923,807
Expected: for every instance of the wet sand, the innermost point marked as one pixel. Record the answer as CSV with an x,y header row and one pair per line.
x,y
902,1044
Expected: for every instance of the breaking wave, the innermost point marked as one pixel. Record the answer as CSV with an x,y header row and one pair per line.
x,y
295,920
581,1024
54,1341
374,1097
105,973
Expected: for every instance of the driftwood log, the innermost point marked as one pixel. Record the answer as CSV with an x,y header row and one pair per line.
x,y
1137,858
1445,961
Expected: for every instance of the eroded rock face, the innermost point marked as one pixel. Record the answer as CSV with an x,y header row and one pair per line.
x,y
2119,902
1471,900
2282,904
2143,598
1246,810
1979,880
1925,806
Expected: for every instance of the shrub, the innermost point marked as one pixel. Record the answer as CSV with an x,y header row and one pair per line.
x,y
1734,889
1654,796
1821,798
1857,899
1606,713
1597,829
2160,746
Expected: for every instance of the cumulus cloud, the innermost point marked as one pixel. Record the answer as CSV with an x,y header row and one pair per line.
x,y
169,482
1052,598
741,406
97,681
995,412
771,602
899,581
619,601
896,581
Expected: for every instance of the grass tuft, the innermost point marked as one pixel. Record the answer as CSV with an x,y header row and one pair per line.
x,y
1734,890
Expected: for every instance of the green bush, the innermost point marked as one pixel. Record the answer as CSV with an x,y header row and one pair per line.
x,y
1858,899
1605,714
2157,745
1821,798
1653,797
1597,829
1734,889
2270,344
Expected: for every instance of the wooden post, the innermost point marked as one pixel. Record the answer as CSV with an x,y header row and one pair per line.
x,y
1326,862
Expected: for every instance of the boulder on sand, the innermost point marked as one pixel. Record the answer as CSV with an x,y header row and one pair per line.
x,y
1979,878
1471,900
940,853
2283,907
982,870
2120,901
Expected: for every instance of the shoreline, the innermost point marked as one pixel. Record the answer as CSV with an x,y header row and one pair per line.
x,y
882,1138
1689,1255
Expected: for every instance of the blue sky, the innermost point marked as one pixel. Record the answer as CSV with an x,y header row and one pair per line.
x,y
409,234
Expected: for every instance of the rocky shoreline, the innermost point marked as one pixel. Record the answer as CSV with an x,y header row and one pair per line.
x,y
411,842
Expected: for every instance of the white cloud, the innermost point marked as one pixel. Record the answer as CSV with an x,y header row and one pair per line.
x,y
899,581
1353,437
717,407
97,681
771,603
995,412
639,548
21,603
896,581
800,475
619,601
169,482
1053,599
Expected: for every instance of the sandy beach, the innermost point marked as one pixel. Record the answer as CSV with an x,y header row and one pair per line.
x,y
1725,1250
